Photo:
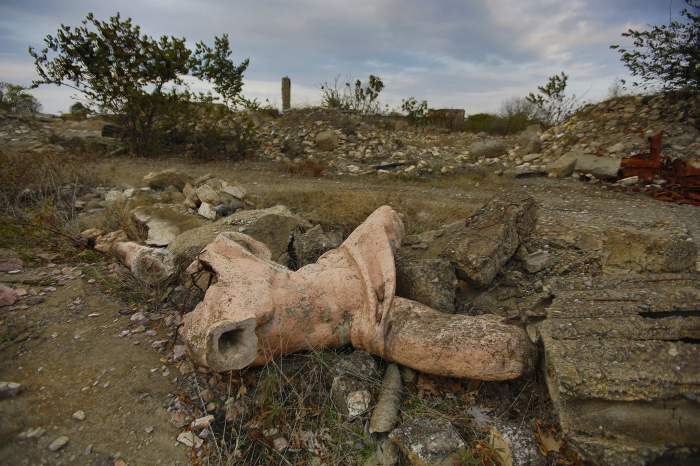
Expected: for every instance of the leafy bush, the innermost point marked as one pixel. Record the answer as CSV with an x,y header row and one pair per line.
x,y
553,107
126,75
519,113
362,98
13,100
481,122
670,55
416,113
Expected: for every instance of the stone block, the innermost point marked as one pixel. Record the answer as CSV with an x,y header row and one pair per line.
x,y
564,166
429,281
480,248
600,167
428,442
350,396
327,140
169,176
488,148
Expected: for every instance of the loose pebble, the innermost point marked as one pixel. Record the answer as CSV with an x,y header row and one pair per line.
x,y
59,443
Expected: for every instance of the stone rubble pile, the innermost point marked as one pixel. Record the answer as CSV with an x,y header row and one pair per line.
x,y
346,143
43,133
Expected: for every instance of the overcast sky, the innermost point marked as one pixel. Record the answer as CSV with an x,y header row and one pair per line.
x,y
469,54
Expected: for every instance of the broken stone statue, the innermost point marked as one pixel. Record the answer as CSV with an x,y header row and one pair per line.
x,y
150,265
258,310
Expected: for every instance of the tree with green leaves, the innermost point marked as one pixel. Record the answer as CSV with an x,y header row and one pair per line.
x,y
553,106
667,56
133,78
14,100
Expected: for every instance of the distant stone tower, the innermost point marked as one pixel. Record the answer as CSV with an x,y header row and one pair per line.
x,y
286,93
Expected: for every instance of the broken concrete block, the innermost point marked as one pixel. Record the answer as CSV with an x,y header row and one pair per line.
x,y
429,281
564,166
428,442
232,190
169,176
529,142
600,167
488,148
187,245
622,366
327,140
350,396
537,261
359,364
207,210
312,244
164,223
655,250
207,194
274,227
191,194
258,310
490,237
515,444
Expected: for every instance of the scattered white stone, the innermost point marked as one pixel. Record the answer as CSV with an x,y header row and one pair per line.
x,y
139,319
35,433
179,352
79,415
189,439
8,389
202,422
148,430
95,314
629,181
59,443
280,443
207,211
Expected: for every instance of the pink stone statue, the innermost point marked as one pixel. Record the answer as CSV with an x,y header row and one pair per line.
x,y
258,310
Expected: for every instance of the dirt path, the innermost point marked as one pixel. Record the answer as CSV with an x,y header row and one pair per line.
x,y
69,357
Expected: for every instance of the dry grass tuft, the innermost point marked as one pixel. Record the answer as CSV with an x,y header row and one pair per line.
x,y
119,218
345,208
31,179
303,168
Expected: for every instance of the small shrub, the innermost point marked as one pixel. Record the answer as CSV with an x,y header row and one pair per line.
x,y
416,113
553,107
362,98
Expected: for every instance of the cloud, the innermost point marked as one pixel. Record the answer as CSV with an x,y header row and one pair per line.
x,y
453,53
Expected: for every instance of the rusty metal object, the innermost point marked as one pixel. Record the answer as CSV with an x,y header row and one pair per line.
x,y
682,176
645,166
